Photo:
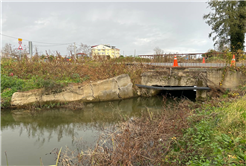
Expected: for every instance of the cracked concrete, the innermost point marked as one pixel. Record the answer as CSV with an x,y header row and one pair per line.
x,y
192,77
116,88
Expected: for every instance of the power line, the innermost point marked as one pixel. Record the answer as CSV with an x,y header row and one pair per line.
x,y
49,45
36,41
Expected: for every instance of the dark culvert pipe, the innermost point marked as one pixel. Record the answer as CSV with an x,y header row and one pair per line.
x,y
173,88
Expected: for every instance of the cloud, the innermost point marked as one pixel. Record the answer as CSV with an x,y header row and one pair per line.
x,y
172,26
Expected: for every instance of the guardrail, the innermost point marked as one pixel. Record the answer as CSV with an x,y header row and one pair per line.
x,y
202,65
194,57
218,59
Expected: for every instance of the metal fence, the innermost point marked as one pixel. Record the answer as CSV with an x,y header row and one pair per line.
x,y
217,59
205,65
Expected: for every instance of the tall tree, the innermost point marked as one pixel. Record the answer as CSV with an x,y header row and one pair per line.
x,y
228,23
242,23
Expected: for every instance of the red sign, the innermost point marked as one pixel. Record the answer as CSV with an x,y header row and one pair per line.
x,y
20,48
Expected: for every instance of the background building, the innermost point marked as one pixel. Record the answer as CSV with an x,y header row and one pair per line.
x,y
105,50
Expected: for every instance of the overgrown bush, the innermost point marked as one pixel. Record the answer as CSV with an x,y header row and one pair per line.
x,y
135,141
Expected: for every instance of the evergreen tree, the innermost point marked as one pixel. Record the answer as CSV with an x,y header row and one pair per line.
x,y
228,23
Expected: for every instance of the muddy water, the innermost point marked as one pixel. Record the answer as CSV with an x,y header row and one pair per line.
x,y
29,137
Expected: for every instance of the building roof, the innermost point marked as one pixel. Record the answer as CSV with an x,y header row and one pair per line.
x,y
94,46
81,54
105,45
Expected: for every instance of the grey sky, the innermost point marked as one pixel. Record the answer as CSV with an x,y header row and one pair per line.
x,y
176,27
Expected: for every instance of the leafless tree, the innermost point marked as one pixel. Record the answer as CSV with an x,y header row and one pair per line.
x,y
9,51
158,51
86,49
82,48
36,50
71,49
159,54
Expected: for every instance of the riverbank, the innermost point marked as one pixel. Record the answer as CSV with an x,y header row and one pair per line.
x,y
42,131
57,82
53,76
216,134
208,133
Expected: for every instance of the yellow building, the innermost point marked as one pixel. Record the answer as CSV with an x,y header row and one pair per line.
x,y
105,50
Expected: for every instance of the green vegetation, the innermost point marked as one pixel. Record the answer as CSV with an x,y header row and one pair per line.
x,y
213,56
216,136
228,23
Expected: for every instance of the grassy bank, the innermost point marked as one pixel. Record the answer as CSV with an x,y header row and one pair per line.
x,y
216,135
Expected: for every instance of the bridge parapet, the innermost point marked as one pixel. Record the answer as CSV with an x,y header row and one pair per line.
x,y
200,77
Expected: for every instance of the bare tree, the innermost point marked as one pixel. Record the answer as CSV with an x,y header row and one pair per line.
x,y
6,50
71,49
82,48
158,51
9,51
36,50
86,49
159,54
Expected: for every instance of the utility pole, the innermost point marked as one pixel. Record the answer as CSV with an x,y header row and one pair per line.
x,y
134,52
30,48
74,50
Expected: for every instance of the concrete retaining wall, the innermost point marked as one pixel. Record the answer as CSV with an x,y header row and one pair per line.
x,y
115,88
199,77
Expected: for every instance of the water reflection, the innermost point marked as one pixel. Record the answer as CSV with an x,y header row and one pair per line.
x,y
42,131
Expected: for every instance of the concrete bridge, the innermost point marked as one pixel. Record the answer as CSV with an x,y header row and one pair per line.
x,y
214,78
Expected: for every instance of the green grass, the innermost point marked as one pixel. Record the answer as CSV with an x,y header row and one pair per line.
x,y
233,119
217,136
216,60
12,84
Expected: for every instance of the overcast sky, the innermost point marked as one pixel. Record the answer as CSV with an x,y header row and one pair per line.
x,y
176,27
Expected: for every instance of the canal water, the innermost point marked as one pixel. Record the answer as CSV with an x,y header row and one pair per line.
x,y
29,137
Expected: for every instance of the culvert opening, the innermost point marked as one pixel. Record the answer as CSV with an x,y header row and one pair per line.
x,y
190,94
